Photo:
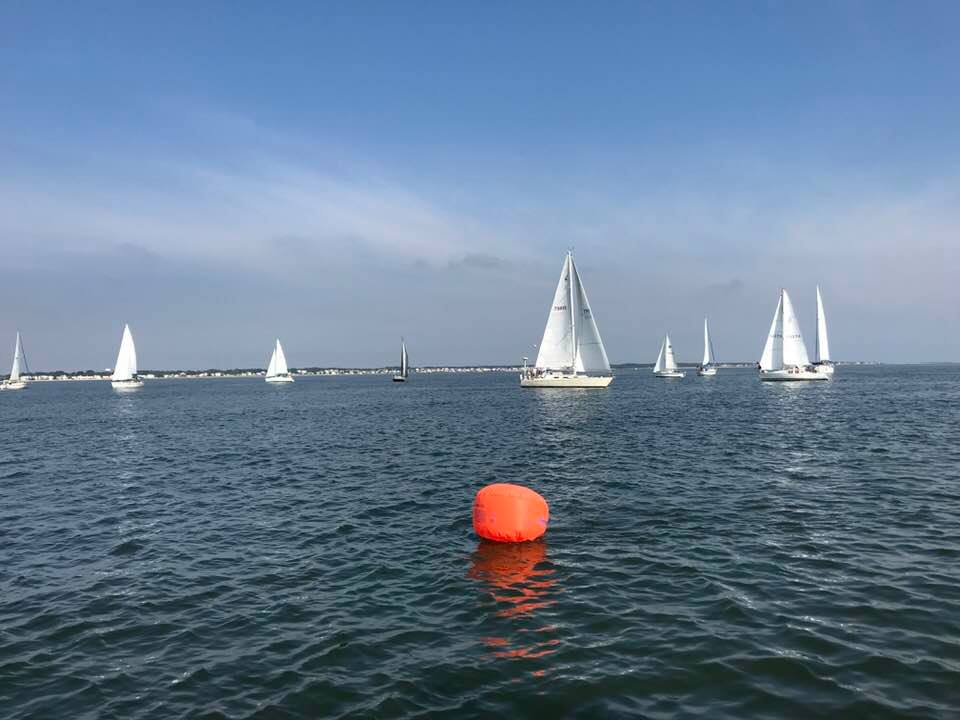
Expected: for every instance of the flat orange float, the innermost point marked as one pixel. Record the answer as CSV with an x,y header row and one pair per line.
x,y
503,512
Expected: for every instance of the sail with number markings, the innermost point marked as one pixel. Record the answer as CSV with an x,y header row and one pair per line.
x,y
571,340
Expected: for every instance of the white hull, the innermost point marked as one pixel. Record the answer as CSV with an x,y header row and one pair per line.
x,y
669,374
280,379
127,384
7,385
399,378
707,372
792,375
560,380
825,369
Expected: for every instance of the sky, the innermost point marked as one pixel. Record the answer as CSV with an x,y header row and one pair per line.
x,y
218,174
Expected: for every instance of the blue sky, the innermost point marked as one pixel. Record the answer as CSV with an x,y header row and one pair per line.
x,y
339,176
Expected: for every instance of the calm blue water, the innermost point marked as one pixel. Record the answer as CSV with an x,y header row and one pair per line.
x,y
718,548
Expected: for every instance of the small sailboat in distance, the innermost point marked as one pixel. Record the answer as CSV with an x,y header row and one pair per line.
x,y
16,381
708,367
666,366
125,375
822,363
571,352
277,371
785,354
404,364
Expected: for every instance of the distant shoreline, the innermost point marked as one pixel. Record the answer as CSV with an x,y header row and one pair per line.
x,y
82,375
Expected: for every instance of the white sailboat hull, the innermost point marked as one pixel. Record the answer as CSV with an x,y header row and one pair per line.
x,y
279,379
565,380
399,378
18,385
707,372
791,375
824,369
668,374
132,384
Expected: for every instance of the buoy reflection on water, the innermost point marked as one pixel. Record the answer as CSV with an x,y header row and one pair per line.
x,y
522,582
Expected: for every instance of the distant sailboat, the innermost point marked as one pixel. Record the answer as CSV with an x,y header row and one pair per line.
x,y
785,354
277,371
571,352
666,366
823,363
708,367
125,371
15,382
404,364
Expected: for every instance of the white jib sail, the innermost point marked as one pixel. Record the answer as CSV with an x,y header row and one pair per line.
x,y
794,349
126,366
658,366
556,348
591,355
669,361
278,363
403,359
823,342
707,355
772,358
17,354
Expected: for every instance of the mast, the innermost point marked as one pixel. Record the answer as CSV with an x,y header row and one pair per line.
x,y
573,314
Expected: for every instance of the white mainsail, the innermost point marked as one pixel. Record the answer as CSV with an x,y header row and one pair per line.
x,y
658,366
278,362
571,339
126,366
707,347
772,358
669,361
19,361
823,342
794,349
404,360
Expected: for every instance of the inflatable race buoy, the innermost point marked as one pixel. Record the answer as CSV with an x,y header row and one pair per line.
x,y
509,513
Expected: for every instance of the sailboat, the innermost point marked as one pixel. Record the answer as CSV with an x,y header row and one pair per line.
x,y
666,366
404,364
277,371
785,354
15,382
823,364
125,371
571,352
708,367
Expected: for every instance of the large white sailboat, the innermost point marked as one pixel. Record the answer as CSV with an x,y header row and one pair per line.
x,y
16,381
822,362
708,367
666,366
125,371
404,364
571,352
277,371
785,354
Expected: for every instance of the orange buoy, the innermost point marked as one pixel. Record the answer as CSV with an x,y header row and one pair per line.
x,y
509,513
